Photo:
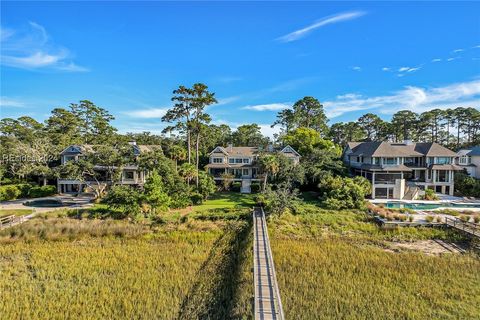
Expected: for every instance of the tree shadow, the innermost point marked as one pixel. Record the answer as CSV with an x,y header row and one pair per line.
x,y
217,292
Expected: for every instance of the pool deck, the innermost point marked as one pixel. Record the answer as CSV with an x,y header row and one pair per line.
x,y
457,200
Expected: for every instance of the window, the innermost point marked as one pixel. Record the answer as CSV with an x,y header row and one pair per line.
x,y
389,161
443,160
238,160
128,175
68,158
245,172
246,160
231,160
443,176
464,160
376,160
217,160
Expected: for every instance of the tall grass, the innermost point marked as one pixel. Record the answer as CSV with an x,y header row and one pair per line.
x,y
333,278
333,265
63,268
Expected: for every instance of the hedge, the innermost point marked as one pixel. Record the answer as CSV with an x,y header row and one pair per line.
x,y
24,190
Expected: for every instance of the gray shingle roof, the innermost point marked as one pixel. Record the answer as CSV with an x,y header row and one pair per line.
x,y
388,149
473,151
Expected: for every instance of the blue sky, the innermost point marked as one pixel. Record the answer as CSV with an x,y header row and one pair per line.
x,y
258,57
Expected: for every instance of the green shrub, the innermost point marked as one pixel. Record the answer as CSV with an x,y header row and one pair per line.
x,y
476,219
10,192
196,198
429,218
410,218
236,186
464,218
255,187
43,191
439,219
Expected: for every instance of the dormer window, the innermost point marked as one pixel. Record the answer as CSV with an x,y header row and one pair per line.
x,y
217,160
464,160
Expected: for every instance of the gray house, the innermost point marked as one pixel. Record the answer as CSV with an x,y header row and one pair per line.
x,y
242,163
402,170
469,160
130,174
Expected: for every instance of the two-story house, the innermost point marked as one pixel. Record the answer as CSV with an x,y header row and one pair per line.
x,y
130,173
469,160
241,162
402,170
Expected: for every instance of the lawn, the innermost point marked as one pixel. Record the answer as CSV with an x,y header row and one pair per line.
x,y
16,212
59,267
227,200
335,265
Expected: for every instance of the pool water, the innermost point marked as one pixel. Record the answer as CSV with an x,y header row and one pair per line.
x,y
47,203
428,206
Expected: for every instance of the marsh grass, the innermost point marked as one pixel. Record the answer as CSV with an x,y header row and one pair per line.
x,y
75,268
337,265
334,278
16,212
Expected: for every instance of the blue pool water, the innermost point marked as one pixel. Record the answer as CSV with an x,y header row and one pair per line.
x,y
428,206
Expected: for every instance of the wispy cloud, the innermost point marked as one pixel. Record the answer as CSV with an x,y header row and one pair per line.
x,y
436,60
10,102
32,48
453,58
386,69
408,69
458,50
356,68
152,113
336,18
411,98
227,100
269,107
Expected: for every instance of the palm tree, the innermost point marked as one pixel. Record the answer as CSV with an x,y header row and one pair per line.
x,y
177,153
187,171
270,165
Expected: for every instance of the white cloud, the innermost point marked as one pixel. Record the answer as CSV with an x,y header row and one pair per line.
x,y
33,49
269,107
385,69
454,58
436,60
458,50
410,98
356,68
408,69
227,100
152,113
10,102
268,131
345,16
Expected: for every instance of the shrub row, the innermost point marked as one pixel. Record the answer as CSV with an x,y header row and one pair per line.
x,y
24,190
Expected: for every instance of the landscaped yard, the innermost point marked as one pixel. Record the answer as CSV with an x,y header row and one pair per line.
x,y
335,264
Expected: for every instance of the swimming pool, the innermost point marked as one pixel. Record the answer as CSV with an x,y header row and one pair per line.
x,y
47,203
428,206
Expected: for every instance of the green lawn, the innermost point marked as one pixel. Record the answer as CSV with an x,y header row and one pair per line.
x,y
227,200
16,212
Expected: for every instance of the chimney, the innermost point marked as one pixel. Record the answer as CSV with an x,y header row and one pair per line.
x,y
230,147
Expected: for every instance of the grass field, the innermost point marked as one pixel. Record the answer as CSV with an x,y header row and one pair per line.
x,y
334,265
16,212
65,268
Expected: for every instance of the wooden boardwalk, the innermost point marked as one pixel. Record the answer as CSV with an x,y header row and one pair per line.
x,y
469,228
268,304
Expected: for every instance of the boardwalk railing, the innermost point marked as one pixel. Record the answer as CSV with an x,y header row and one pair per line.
x,y
268,304
9,221
467,227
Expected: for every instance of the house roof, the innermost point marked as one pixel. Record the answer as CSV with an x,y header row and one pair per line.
x,y
86,148
472,152
374,167
445,167
388,149
249,151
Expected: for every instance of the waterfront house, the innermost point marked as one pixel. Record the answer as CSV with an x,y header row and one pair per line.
x,y
469,160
